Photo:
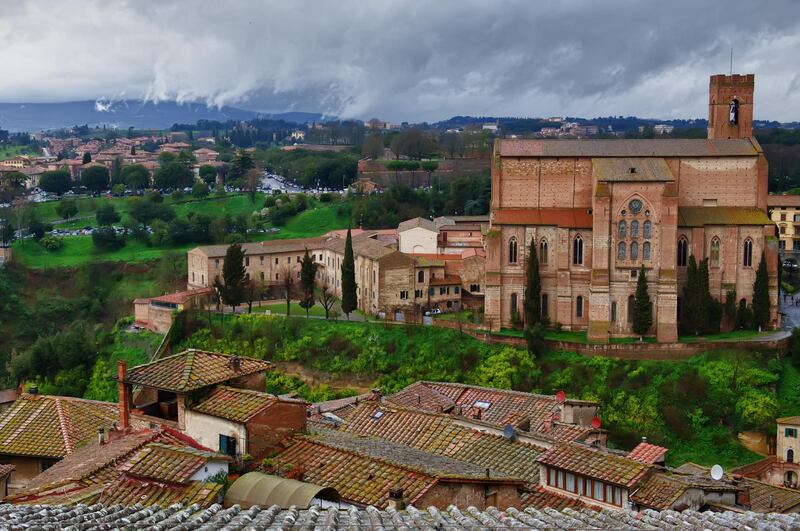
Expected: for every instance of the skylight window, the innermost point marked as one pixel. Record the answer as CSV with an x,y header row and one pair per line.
x,y
483,405
377,415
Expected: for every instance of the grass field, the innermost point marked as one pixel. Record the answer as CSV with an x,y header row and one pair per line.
x,y
9,152
79,249
296,310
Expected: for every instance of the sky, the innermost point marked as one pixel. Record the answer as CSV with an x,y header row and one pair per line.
x,y
411,60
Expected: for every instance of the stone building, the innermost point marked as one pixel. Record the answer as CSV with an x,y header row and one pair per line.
x,y
784,211
599,210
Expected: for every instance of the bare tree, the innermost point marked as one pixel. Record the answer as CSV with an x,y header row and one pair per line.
x,y
326,297
255,288
252,179
288,281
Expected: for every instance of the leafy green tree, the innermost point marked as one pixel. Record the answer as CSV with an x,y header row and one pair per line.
x,y
794,346
200,189
55,181
87,157
430,166
106,239
642,311
106,215
349,296
67,208
135,176
240,164
208,174
233,285
761,295
533,289
95,178
308,270
174,174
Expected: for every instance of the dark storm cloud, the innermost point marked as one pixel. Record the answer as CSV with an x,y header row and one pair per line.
x,y
412,60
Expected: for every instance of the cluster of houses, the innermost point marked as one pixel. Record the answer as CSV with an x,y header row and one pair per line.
x,y
124,151
189,423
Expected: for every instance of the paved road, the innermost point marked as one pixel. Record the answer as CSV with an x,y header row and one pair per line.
x,y
274,184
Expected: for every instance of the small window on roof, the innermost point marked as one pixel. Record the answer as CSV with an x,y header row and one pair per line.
x,y
377,415
482,404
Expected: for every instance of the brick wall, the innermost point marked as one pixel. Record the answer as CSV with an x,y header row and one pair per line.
x,y
266,430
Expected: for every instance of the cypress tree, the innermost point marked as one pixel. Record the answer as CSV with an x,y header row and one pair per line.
x,y
87,157
704,299
349,297
308,270
761,295
642,312
692,315
533,289
232,288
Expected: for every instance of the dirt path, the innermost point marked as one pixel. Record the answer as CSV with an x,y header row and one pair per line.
x,y
361,383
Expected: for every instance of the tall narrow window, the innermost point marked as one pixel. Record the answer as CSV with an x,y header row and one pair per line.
x,y
613,311
577,251
543,252
622,229
683,250
420,276
545,305
647,228
513,304
635,251
630,308
646,251
579,306
747,259
512,251
621,250
634,229
714,254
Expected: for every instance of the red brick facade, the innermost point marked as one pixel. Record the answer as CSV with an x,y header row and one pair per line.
x,y
598,210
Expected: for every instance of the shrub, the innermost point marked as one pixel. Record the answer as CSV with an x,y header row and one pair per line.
x,y
177,195
51,243
200,189
118,189
106,215
67,208
326,197
154,197
106,239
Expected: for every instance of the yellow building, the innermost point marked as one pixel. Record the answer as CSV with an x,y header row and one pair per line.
x,y
784,210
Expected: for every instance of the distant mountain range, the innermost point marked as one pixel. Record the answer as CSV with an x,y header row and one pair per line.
x,y
127,113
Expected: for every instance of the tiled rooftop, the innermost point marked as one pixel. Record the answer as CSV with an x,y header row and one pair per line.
x,y
191,370
595,464
142,493
499,407
167,463
443,435
699,216
52,426
238,405
99,517
574,218
648,453
659,492
767,498
627,148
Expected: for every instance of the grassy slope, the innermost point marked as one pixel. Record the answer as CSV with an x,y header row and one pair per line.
x,y
79,249
9,152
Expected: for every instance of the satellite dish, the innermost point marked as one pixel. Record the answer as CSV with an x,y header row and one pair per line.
x,y
561,396
509,433
596,423
717,472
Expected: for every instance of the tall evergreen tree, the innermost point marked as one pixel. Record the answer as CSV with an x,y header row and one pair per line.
x,y
642,312
87,157
704,299
233,285
533,289
349,296
308,270
761,295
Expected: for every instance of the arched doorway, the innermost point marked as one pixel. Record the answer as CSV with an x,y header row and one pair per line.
x,y
790,479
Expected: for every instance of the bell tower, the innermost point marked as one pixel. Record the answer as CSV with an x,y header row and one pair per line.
x,y
730,106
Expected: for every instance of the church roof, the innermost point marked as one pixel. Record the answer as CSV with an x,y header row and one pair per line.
x,y
693,216
629,169
574,218
660,147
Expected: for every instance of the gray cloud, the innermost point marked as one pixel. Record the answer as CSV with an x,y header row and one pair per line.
x,y
411,60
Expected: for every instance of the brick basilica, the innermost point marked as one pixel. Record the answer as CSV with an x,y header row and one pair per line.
x,y
598,210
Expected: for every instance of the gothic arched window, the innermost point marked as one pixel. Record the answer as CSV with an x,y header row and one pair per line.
x,y
646,251
634,251
621,251
512,251
543,251
714,254
683,251
577,250
747,258
634,229
622,229
647,228
734,111
421,276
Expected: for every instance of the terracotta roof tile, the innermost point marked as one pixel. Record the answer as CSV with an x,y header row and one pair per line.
x,y
135,492
182,297
191,370
417,222
626,148
787,200
238,405
631,169
700,216
595,464
659,492
443,435
540,498
574,218
648,453
163,462
52,426
769,498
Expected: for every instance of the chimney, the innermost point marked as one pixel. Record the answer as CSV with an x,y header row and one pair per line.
x,y
644,440
396,500
101,433
477,414
124,397
235,363
377,395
